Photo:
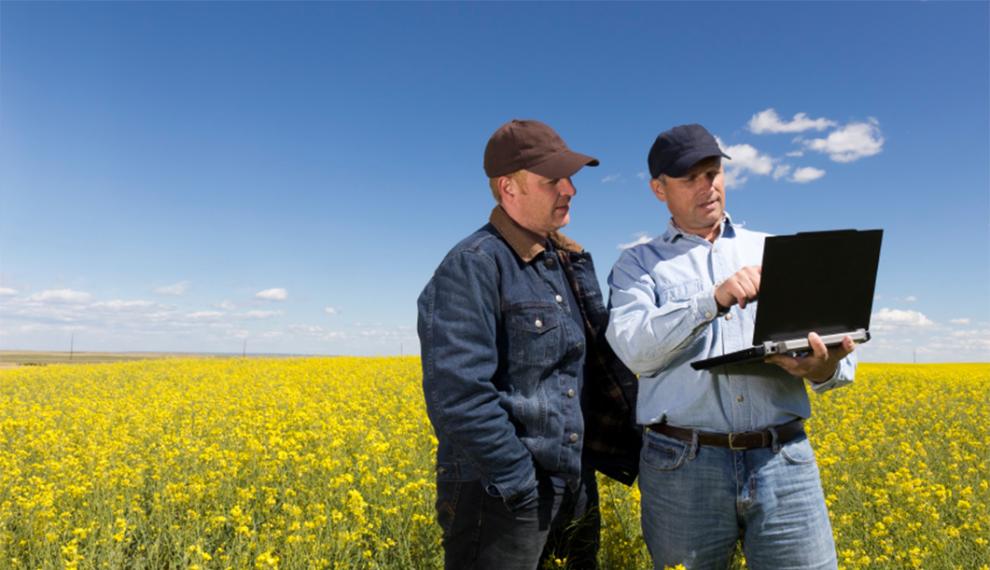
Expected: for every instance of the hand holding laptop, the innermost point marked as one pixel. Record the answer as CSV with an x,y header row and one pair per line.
x,y
820,364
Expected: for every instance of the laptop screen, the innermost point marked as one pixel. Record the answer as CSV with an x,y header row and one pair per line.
x,y
817,281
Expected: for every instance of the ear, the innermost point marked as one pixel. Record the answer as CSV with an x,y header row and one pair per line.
x,y
659,190
506,188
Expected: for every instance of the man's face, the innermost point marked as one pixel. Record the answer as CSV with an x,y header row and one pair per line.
x,y
697,200
539,204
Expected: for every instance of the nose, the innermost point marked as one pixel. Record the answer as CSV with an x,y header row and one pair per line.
x,y
566,187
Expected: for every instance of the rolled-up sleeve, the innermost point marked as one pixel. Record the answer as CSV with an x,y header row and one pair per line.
x,y
457,325
645,336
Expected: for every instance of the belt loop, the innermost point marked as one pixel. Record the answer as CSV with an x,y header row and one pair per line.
x,y
694,445
774,439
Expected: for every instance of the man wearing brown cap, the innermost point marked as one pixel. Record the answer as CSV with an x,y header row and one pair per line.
x,y
526,397
725,455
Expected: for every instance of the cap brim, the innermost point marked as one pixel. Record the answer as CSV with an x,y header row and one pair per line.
x,y
684,163
563,164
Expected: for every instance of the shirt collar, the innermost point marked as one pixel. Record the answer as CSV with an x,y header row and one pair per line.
x,y
525,243
673,232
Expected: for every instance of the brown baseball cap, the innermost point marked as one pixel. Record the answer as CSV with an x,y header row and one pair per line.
x,y
534,146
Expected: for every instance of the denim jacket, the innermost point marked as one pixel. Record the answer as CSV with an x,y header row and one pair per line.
x,y
502,359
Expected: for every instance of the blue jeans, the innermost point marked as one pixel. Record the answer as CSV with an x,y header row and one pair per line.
x,y
697,501
480,532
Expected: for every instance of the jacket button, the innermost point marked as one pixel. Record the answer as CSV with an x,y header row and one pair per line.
x,y
549,263
441,470
574,437
570,393
558,298
538,324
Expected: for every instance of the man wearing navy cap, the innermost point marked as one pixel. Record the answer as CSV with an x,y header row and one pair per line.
x,y
525,395
725,456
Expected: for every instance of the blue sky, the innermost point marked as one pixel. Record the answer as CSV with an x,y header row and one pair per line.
x,y
191,177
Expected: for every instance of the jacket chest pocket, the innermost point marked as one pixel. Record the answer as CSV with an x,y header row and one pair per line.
x,y
533,333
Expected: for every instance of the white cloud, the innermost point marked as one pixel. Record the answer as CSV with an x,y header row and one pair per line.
x,y
767,121
887,319
204,315
746,159
642,237
611,178
7,292
121,305
226,305
642,175
911,299
330,311
174,289
781,171
959,321
261,314
60,296
807,174
795,153
852,142
276,294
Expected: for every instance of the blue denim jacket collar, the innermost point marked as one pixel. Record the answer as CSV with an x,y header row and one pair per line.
x,y
525,243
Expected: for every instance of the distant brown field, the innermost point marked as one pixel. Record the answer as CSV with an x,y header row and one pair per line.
x,y
13,359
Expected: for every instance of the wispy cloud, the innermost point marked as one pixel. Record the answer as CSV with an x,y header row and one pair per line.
x,y
886,319
61,296
795,153
852,142
963,321
767,121
781,171
122,305
260,314
807,174
276,294
175,289
611,178
911,299
7,292
330,311
641,238
643,175
204,315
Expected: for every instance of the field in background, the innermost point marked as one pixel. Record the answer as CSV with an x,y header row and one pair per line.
x,y
300,463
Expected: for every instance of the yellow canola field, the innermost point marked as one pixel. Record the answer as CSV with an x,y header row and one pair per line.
x,y
328,463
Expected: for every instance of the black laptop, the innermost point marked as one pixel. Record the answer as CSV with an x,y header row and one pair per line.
x,y
812,281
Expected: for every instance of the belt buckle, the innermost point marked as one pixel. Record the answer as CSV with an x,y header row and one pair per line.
x,y
732,445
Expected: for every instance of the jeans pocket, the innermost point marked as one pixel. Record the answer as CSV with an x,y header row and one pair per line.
x,y
663,453
798,452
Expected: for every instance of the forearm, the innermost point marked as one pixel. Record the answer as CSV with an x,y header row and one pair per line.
x,y
647,338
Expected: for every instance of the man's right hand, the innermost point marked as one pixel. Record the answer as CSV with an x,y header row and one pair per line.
x,y
741,288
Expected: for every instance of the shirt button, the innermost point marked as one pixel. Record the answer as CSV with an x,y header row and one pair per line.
x,y
728,316
538,324
708,314
574,437
570,393
558,298
740,399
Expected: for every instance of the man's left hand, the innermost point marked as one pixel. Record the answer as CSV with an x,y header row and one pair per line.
x,y
818,366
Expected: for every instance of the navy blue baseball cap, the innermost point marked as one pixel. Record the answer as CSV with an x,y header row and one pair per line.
x,y
677,150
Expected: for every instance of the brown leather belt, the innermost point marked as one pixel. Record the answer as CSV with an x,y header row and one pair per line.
x,y
738,440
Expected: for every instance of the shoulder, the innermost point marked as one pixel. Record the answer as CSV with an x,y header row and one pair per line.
x,y
644,254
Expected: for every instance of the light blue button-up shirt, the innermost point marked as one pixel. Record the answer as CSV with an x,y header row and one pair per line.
x,y
663,316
